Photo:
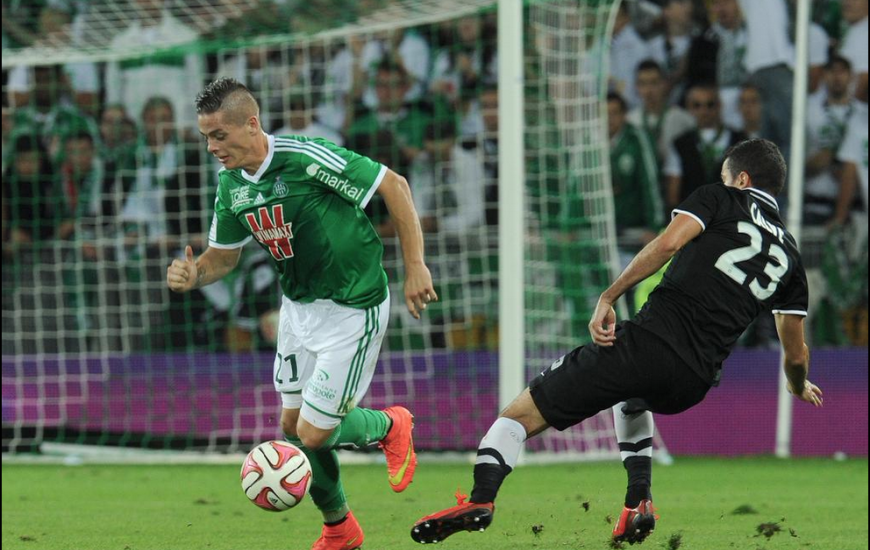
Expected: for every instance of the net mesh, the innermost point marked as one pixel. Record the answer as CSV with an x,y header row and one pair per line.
x,y
105,182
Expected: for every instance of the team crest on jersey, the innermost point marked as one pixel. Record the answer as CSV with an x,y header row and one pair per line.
x,y
280,188
271,231
240,196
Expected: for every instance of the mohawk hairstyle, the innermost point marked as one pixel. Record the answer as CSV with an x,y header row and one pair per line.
x,y
227,94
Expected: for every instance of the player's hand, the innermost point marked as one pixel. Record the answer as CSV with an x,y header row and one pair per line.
x,y
181,274
602,327
811,393
419,289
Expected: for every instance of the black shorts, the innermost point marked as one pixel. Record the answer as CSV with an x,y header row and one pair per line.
x,y
639,367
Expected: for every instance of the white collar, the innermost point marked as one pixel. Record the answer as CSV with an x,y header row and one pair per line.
x,y
766,197
256,177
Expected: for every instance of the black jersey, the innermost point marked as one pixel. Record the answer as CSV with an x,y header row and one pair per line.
x,y
743,263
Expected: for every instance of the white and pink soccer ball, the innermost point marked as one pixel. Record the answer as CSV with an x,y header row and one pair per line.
x,y
276,475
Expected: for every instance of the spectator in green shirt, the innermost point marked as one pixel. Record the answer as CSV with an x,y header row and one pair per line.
x,y
406,120
636,192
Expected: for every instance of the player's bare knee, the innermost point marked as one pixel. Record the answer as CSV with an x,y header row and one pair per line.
x,y
289,422
524,411
311,437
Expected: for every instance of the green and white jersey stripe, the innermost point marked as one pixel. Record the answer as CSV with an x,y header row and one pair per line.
x,y
305,207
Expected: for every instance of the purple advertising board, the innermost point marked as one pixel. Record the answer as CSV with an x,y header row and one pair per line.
x,y
205,397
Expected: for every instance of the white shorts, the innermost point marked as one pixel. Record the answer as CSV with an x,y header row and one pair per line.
x,y
326,357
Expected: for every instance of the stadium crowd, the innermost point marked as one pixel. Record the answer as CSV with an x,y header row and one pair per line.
x,y
105,175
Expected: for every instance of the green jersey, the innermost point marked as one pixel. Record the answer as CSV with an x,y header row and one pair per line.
x,y
305,207
636,192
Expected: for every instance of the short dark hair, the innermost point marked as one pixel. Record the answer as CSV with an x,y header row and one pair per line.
x,y
210,99
762,160
650,65
613,96
227,94
837,59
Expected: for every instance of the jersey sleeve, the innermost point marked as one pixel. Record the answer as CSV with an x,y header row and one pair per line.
x,y
353,177
794,298
226,232
702,205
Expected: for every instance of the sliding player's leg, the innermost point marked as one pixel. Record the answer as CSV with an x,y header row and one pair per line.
x,y
634,432
496,458
575,387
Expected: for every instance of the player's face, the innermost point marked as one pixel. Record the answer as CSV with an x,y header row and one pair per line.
x,y
232,144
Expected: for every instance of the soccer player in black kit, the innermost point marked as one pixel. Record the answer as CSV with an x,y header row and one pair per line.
x,y
732,259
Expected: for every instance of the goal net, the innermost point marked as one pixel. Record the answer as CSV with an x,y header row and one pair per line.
x,y
105,181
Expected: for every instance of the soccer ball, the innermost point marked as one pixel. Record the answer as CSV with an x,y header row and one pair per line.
x,y
276,476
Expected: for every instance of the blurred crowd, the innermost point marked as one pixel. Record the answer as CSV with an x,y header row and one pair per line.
x,y
105,177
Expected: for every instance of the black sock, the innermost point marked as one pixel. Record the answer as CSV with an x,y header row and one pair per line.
x,y
487,481
339,522
639,470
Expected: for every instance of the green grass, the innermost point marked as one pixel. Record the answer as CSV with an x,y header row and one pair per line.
x,y
202,507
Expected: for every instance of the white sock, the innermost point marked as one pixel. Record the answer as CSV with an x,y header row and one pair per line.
x,y
634,432
502,443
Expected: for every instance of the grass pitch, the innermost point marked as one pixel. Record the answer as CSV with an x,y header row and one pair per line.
x,y
716,504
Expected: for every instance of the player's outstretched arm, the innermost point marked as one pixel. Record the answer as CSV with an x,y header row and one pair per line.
x,y
189,273
678,234
419,289
797,358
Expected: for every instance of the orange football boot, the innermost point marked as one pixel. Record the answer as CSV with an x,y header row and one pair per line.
x,y
398,447
346,536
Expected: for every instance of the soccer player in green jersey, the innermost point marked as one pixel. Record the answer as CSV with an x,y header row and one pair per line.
x,y
302,200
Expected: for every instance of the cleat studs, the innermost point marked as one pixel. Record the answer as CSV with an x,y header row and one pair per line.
x,y
476,520
482,529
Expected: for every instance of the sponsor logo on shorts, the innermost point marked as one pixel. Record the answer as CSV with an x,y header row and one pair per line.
x,y
317,386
